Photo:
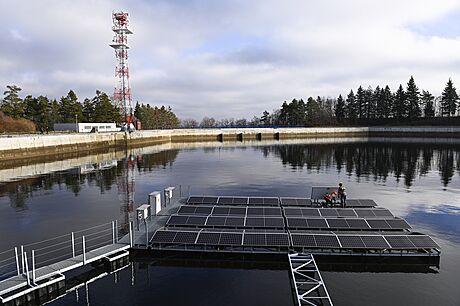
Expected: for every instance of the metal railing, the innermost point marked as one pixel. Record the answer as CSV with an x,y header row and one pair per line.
x,y
27,258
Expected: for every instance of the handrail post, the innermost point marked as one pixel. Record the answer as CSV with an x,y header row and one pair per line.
x,y
131,234
22,259
113,232
116,230
17,260
33,266
146,234
73,244
27,268
84,250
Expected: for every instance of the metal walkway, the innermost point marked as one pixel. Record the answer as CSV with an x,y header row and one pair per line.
x,y
28,278
308,283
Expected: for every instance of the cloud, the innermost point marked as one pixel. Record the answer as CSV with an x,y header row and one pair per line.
x,y
230,58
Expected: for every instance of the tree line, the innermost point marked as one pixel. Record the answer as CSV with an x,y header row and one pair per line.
x,y
156,117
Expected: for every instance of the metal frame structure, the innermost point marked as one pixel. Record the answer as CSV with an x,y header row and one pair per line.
x,y
308,283
122,93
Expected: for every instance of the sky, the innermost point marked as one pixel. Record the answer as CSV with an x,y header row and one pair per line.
x,y
230,58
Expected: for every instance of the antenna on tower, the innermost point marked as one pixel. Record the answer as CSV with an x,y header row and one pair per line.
x,y
122,93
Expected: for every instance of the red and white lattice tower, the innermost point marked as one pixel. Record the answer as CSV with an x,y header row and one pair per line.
x,y
122,93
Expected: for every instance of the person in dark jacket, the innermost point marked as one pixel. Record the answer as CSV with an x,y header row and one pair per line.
x,y
342,195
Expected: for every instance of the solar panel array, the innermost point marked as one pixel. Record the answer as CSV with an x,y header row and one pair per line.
x,y
338,212
221,238
229,210
281,239
306,202
225,221
397,242
347,223
251,201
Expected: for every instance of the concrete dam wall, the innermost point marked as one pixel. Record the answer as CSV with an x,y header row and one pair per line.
x,y
27,146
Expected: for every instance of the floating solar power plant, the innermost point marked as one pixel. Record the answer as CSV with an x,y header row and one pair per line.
x,y
304,202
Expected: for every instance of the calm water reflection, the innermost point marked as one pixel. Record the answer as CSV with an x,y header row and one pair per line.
x,y
418,179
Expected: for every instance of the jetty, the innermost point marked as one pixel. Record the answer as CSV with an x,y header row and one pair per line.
x,y
300,230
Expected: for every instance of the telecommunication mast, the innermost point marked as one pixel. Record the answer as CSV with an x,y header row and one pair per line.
x,y
122,93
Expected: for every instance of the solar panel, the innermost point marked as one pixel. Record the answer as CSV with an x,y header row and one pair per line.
x,y
256,201
353,203
208,238
363,213
346,212
297,222
316,223
277,239
375,242
195,200
221,211
186,209
422,241
230,238
357,224
255,222
310,212
240,201
303,240
272,211
378,224
399,242
225,200
326,241
195,220
352,242
177,220
288,202
398,224
254,239
255,211
274,222
234,221
328,212
209,200
203,210
367,203
382,213
237,211
271,201
215,221
337,223
163,236
185,237
293,211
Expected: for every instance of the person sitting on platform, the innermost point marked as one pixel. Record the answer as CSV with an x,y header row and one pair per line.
x,y
328,199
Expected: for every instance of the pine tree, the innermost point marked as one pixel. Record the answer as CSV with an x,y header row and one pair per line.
x,y
340,109
12,105
265,119
370,102
412,100
379,100
399,104
449,100
88,110
360,102
70,109
351,108
387,102
428,103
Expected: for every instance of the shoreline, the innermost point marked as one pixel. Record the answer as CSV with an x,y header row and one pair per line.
x,y
33,146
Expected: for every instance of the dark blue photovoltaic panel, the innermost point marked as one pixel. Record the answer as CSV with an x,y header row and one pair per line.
x,y
208,238
230,238
225,200
337,223
352,242
256,201
163,236
317,223
363,213
423,241
271,201
346,212
216,221
297,222
234,221
240,201
367,203
272,211
187,209
384,213
310,212
195,220
293,212
399,242
303,240
280,239
328,212
203,210
398,224
209,200
177,220
195,200
185,237
255,211
255,222
357,224
254,239
375,242
378,224
237,211
274,222
221,211
327,241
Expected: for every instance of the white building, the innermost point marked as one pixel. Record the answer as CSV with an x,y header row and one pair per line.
x,y
86,127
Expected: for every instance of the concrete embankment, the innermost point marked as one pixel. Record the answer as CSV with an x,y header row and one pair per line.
x,y
27,146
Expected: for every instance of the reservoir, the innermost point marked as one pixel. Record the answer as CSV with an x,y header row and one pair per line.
x,y
418,179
